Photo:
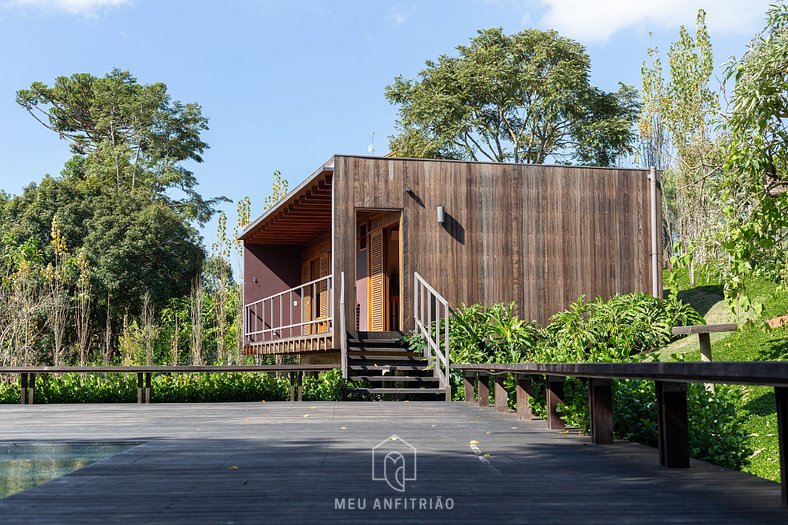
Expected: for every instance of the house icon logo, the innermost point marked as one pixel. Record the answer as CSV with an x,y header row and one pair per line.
x,y
394,461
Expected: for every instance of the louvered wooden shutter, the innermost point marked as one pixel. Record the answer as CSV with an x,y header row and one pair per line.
x,y
306,300
377,311
324,264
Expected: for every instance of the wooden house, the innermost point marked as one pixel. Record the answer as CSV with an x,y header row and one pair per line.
x,y
339,256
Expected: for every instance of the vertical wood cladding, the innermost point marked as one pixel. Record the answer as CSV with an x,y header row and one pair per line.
x,y
540,236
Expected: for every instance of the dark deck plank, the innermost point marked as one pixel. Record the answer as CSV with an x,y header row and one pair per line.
x,y
294,460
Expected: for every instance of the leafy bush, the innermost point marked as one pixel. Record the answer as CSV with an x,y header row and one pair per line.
x,y
9,392
716,434
168,388
620,329
326,386
485,335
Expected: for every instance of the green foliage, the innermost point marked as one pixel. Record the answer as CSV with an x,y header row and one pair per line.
x,y
623,328
716,433
170,388
523,98
326,386
675,123
278,191
755,185
485,335
130,136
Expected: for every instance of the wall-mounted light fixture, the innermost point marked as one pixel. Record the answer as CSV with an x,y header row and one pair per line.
x,y
441,214
408,190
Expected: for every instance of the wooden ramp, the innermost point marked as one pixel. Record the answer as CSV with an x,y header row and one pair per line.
x,y
296,462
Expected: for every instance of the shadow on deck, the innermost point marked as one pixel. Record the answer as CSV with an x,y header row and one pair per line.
x,y
286,462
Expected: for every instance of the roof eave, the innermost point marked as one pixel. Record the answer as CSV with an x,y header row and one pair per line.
x,y
325,168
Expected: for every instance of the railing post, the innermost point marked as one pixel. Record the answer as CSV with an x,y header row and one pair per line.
x,y
600,401
148,386
23,388
781,400
342,325
31,391
438,364
244,315
523,393
484,389
555,395
139,387
415,299
501,395
446,350
672,421
468,379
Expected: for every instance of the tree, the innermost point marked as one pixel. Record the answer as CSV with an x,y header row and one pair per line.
x,y
56,277
125,200
278,191
131,136
524,98
756,169
675,124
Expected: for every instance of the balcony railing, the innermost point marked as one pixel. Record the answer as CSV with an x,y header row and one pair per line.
x,y
305,310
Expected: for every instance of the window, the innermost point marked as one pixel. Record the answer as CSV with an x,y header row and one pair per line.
x,y
362,237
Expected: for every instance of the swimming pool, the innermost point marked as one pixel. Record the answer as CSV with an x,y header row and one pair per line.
x,y
25,465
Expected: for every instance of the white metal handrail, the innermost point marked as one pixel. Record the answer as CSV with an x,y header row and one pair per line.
x,y
281,315
430,307
342,326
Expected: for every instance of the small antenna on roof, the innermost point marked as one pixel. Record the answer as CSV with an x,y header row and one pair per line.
x,y
371,147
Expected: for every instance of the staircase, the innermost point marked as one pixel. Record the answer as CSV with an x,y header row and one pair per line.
x,y
381,360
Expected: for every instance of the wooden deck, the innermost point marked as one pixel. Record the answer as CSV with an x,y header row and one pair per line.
x,y
289,462
289,345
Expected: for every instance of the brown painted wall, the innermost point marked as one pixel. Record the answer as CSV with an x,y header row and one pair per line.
x,y
276,267
537,235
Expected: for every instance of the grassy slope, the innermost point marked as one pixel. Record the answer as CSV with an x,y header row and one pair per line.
x,y
749,343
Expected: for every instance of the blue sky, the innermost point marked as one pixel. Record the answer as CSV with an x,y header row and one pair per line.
x,y
286,84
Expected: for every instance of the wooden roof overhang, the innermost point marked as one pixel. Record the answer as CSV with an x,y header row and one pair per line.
x,y
302,216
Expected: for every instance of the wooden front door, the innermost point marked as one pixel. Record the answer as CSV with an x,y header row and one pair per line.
x,y
378,266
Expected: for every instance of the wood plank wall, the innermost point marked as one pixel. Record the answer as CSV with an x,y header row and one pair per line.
x,y
537,235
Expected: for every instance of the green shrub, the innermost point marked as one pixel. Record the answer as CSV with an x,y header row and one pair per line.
x,y
621,329
166,388
715,433
326,386
485,335
9,391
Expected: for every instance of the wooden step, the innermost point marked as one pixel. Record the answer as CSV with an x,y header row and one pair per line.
x,y
393,379
433,391
380,335
376,343
390,359
382,352
368,366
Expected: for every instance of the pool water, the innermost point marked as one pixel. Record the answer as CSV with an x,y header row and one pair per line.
x,y
25,465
